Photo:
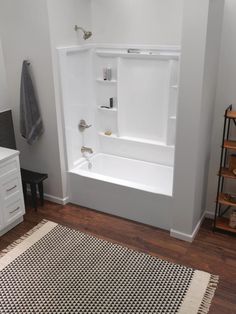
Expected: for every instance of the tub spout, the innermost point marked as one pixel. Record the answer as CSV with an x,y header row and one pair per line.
x,y
85,149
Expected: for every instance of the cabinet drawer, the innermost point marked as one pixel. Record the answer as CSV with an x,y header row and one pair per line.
x,y
11,185
9,166
14,208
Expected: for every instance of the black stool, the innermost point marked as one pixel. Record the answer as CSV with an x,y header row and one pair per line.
x,y
33,179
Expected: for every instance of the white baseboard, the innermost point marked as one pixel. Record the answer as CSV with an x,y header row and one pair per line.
x,y
185,236
52,198
209,214
55,199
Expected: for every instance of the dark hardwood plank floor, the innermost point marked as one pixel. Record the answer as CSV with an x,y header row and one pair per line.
x,y
215,253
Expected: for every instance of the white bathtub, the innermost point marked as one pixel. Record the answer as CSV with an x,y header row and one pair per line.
x,y
127,172
128,188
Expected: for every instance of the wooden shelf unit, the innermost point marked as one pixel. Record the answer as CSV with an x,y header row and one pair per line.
x,y
222,224
223,205
223,201
231,114
230,144
226,173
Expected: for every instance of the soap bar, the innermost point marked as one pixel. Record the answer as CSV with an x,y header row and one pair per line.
x,y
108,133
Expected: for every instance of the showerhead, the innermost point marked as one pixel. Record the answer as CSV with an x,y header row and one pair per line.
x,y
87,34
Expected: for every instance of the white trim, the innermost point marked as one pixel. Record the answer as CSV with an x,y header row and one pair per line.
x,y
52,198
55,199
186,236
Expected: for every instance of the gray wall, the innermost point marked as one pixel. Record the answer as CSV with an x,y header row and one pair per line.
x,y
24,30
4,104
225,95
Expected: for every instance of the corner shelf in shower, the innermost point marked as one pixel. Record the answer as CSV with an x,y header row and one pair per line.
x,y
175,86
113,135
99,80
106,110
172,117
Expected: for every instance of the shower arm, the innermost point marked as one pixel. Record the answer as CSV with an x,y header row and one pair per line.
x,y
76,28
87,34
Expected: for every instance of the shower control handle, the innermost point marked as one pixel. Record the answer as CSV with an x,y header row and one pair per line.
x,y
83,125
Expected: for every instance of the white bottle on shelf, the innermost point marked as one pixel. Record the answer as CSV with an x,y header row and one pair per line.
x,y
109,73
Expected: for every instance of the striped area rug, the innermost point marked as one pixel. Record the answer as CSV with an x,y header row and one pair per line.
x,y
55,269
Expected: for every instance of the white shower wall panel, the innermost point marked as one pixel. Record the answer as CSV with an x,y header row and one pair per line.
x,y
77,93
143,93
144,88
131,148
79,77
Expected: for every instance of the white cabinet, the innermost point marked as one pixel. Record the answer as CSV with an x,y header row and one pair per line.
x,y
12,206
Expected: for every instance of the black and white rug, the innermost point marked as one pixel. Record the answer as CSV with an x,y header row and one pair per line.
x,y
54,269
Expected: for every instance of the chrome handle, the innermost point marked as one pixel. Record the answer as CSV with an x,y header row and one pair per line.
x,y
8,190
13,211
83,125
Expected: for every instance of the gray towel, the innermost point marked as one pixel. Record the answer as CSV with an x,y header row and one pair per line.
x,y
31,124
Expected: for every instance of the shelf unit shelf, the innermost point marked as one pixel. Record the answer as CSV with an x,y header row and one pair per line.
x,y
223,201
222,224
226,173
107,110
113,135
230,144
100,80
231,114
223,205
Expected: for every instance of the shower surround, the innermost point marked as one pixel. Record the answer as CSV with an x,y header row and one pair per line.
x,y
130,170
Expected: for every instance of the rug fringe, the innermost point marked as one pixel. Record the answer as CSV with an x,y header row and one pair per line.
x,y
209,294
22,238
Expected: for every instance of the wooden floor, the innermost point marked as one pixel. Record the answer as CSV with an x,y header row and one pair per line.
x,y
214,253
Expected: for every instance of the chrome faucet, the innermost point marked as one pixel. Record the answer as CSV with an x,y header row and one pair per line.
x,y
85,149
83,125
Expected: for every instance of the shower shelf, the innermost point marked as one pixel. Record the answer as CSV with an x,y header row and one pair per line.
x,y
172,117
113,135
99,80
142,55
105,109
175,86
135,139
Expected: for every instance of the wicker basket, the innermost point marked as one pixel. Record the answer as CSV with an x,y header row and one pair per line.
x,y
232,219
